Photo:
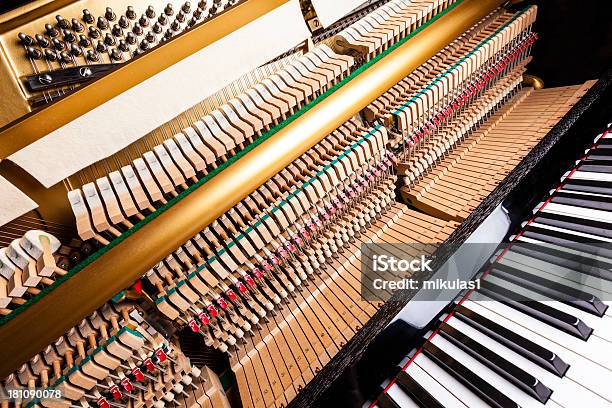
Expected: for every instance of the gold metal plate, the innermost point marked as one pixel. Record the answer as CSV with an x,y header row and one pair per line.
x,y
37,124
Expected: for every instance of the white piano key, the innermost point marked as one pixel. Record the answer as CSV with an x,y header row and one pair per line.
x,y
437,390
576,280
583,368
595,349
400,397
591,214
567,390
601,326
460,391
588,175
490,376
571,232
556,272
570,251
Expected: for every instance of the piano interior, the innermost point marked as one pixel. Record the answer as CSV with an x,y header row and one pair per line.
x,y
192,195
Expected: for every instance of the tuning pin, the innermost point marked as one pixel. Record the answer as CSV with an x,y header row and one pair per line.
x,y
169,10
180,16
123,46
109,39
65,57
84,41
42,41
34,53
130,38
157,28
92,56
150,37
150,12
116,54
93,32
144,21
110,14
77,26
50,55
124,22
102,23
198,13
117,31
137,29
87,17
202,4
58,44
175,25
76,50
192,22
51,31
186,7
162,19
25,39
69,36
144,45
100,47
130,13
62,22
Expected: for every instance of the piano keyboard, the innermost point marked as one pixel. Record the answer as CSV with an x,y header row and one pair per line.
x,y
539,330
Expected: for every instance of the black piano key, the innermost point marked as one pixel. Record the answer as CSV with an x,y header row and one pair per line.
x,y
603,156
554,290
531,351
595,166
588,186
570,241
417,393
583,225
500,365
385,401
583,200
547,314
582,264
604,141
477,385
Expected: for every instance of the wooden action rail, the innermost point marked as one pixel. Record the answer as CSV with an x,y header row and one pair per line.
x,y
460,181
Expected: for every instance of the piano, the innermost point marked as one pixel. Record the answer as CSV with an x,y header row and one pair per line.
x,y
192,193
